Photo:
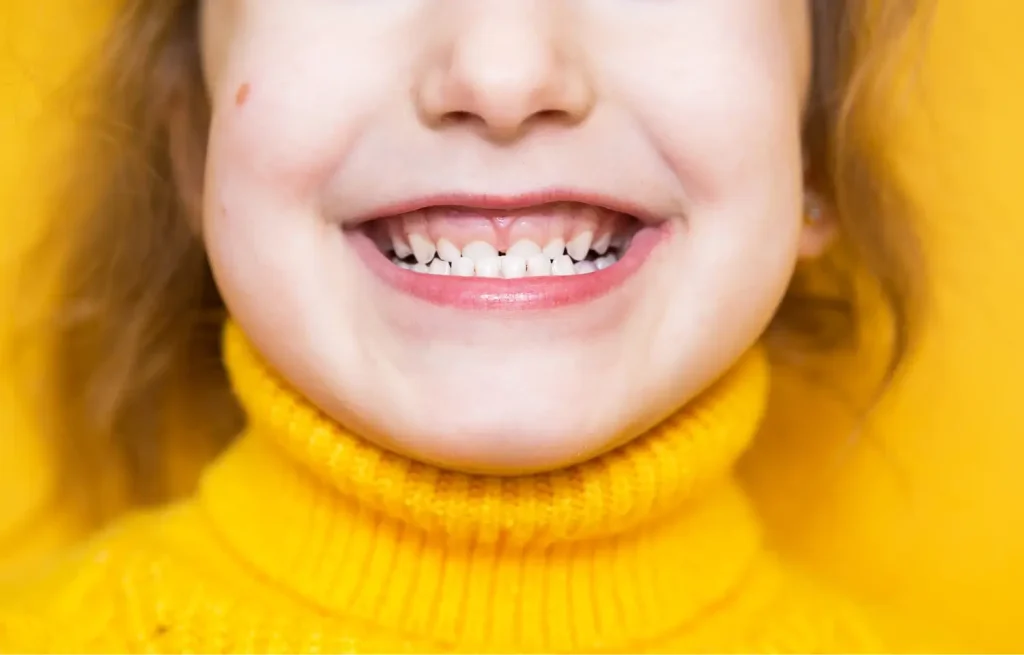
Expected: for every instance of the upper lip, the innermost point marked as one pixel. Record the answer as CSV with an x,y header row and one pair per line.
x,y
487,202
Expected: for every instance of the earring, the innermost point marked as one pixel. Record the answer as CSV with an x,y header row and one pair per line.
x,y
813,211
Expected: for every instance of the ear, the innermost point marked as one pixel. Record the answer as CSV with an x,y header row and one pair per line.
x,y
820,225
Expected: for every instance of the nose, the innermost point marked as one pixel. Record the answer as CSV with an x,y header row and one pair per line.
x,y
504,67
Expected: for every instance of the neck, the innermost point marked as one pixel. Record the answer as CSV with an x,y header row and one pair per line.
x,y
612,553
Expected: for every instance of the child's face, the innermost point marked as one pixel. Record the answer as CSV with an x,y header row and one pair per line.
x,y
331,112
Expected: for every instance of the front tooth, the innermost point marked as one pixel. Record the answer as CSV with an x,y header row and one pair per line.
x,y
606,261
463,267
580,245
401,264
524,248
447,250
479,250
602,244
554,248
422,247
562,266
420,268
488,267
401,248
583,268
440,267
538,266
513,266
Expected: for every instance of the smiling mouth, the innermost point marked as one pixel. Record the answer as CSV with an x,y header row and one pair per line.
x,y
505,254
557,239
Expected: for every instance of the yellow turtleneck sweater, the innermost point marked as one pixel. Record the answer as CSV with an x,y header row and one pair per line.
x,y
304,538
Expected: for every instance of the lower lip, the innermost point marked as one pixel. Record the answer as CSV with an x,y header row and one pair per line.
x,y
511,295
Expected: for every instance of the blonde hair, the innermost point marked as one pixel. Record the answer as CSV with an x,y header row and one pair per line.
x,y
137,319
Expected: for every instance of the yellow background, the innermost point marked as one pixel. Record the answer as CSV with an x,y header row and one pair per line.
x,y
926,512
931,516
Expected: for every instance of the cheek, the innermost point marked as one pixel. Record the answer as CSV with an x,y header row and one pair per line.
x,y
271,154
261,207
721,102
287,113
256,137
728,127
722,105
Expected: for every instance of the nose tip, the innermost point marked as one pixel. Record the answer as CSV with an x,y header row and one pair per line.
x,y
503,78
505,103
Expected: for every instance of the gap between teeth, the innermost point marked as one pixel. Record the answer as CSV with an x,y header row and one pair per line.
x,y
580,256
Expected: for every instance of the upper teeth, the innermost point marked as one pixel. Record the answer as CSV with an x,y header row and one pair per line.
x,y
479,251
422,248
524,259
554,248
402,249
580,245
524,248
446,250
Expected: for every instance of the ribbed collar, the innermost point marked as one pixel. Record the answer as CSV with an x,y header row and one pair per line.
x,y
613,553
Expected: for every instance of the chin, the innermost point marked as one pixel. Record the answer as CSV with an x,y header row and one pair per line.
x,y
498,436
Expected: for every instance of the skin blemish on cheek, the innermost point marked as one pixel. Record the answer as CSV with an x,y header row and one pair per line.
x,y
242,95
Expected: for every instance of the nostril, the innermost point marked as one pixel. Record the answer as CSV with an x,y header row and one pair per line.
x,y
466,118
460,117
550,115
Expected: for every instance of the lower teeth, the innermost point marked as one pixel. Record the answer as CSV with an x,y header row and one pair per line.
x,y
511,266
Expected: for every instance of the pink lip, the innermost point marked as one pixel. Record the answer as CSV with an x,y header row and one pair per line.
x,y
511,295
